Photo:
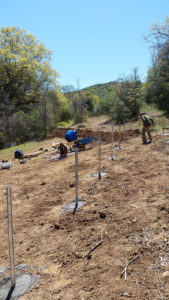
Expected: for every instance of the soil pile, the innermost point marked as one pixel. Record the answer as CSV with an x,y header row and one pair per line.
x,y
106,135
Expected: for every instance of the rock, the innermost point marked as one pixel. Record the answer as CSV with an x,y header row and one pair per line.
x,y
78,255
134,219
102,215
165,274
72,185
21,266
126,294
56,226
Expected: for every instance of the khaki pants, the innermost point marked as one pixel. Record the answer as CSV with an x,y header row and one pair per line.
x,y
146,129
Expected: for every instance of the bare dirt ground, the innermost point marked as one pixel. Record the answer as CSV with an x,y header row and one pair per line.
x,y
128,209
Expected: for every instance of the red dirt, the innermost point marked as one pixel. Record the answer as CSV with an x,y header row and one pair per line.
x,y
106,135
129,207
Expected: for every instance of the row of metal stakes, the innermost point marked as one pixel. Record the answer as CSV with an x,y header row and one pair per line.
x,y
99,175
9,202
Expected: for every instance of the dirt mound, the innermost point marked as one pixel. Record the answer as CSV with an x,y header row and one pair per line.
x,y
105,135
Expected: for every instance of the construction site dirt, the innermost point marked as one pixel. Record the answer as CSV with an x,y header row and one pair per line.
x,y
116,245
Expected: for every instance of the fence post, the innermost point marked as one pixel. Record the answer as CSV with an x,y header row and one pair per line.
x,y
10,235
76,180
119,136
99,155
124,133
112,144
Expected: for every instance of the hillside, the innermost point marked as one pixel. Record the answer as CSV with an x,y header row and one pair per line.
x,y
102,90
124,220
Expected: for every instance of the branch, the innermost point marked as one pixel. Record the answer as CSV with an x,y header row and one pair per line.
x,y
159,292
95,246
127,264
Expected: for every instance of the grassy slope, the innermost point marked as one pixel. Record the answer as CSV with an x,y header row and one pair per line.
x,y
27,148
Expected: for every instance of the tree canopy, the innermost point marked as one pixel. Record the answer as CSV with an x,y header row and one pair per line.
x,y
26,78
157,84
25,69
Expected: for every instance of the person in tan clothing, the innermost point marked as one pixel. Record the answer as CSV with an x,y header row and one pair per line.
x,y
147,122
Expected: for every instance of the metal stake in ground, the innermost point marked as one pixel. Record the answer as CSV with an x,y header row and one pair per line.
x,y
112,144
10,235
119,137
99,155
124,133
76,180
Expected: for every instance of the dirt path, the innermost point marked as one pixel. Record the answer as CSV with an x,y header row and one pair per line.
x,y
128,207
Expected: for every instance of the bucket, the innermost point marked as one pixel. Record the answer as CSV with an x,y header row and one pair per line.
x,y
5,165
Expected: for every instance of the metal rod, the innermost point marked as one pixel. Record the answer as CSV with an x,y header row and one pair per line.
x,y
119,136
10,234
112,144
76,180
99,155
124,133
76,174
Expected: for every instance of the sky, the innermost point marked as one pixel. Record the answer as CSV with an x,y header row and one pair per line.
x,y
92,41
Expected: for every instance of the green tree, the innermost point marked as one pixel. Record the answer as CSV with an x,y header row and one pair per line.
x,y
83,104
25,73
128,96
156,89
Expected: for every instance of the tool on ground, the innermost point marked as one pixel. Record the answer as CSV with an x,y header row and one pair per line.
x,y
22,157
56,145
